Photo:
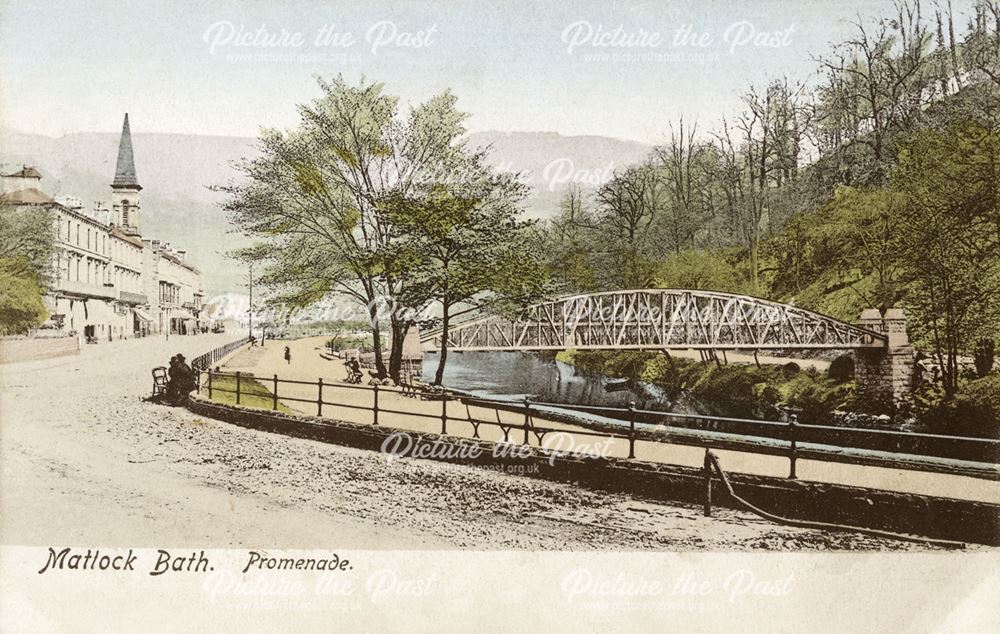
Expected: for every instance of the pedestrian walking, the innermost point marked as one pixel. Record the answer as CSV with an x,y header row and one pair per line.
x,y
288,355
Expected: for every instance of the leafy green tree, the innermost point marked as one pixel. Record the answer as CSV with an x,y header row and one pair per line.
x,y
470,247
949,238
21,305
312,198
700,270
27,245
27,241
859,227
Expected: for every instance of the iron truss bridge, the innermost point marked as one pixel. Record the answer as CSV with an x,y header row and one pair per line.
x,y
656,319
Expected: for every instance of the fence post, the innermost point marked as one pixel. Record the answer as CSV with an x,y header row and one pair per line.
x,y
237,387
527,418
444,414
210,383
319,397
274,396
708,483
631,429
375,407
792,424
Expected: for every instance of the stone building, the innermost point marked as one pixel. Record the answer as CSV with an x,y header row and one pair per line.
x,y
107,281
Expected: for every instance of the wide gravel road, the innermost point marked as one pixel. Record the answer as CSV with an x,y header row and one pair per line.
x,y
83,461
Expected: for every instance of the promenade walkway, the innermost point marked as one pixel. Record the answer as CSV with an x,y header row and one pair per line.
x,y
307,365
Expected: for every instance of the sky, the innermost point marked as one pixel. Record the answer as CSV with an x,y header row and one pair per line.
x,y
615,68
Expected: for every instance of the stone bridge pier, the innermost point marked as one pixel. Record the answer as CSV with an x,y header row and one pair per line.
x,y
886,376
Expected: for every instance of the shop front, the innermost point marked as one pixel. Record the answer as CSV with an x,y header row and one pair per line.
x,y
142,324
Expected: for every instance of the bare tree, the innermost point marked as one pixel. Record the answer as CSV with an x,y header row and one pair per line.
x,y
879,73
627,208
681,167
982,42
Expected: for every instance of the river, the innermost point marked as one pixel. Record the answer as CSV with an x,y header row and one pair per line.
x,y
514,375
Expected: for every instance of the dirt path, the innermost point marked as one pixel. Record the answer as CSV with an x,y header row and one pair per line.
x,y
84,462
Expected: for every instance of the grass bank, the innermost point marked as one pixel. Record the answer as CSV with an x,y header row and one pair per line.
x,y
252,393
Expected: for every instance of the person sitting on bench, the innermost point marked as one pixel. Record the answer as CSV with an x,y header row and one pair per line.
x,y
354,371
181,380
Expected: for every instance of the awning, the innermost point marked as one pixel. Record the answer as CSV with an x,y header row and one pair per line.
x,y
141,315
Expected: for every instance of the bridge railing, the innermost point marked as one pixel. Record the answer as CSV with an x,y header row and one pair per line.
x,y
530,422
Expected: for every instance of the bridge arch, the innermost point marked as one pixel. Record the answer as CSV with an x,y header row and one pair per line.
x,y
657,319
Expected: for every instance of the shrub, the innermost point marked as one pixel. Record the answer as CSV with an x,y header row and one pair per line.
x,y
628,365
974,410
21,307
591,362
738,390
362,343
983,356
817,398
727,390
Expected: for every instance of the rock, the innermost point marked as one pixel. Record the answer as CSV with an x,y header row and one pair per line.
x,y
791,368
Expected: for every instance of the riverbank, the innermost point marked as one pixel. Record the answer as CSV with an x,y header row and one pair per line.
x,y
738,389
818,392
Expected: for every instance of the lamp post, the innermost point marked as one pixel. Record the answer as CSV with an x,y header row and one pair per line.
x,y
250,322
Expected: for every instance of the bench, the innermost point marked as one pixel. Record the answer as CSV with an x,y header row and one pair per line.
x,y
406,381
159,381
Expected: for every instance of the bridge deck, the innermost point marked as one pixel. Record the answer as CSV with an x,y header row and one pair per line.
x,y
658,319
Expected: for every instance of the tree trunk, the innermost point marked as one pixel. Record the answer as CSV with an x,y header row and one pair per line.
x,y
376,340
399,329
443,357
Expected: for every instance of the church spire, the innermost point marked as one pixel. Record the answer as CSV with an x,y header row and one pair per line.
x,y
125,170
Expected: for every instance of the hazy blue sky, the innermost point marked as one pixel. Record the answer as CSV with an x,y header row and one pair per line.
x,y
176,67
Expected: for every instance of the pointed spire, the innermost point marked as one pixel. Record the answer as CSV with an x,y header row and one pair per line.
x,y
125,170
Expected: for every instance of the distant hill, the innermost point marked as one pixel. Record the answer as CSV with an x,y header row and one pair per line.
x,y
176,170
550,161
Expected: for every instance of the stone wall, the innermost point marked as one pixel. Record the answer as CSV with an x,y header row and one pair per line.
x,y
31,349
944,518
886,376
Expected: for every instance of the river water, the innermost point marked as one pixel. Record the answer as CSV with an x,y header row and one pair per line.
x,y
514,375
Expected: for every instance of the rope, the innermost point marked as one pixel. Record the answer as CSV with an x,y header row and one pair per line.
x,y
824,525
